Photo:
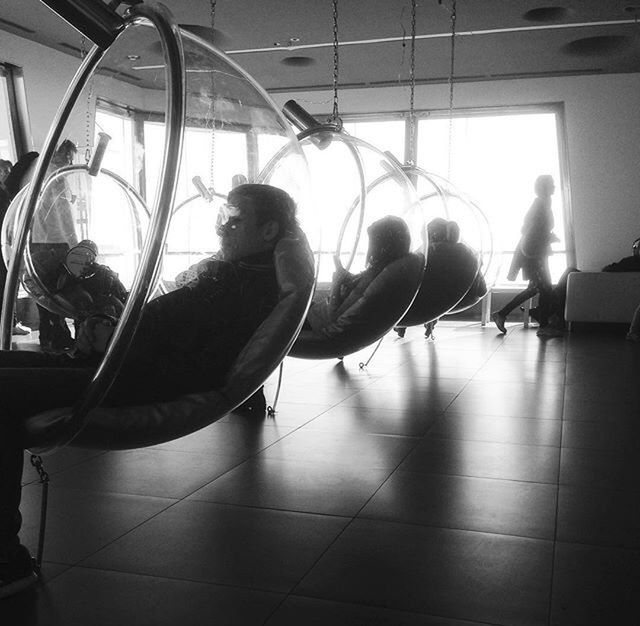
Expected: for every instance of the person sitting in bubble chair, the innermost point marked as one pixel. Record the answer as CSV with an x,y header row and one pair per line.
x,y
389,240
185,343
88,287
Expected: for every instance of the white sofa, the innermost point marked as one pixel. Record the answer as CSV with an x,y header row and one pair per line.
x,y
610,297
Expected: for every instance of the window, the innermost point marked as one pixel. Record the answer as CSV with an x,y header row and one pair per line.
x,y
190,237
14,119
119,126
495,158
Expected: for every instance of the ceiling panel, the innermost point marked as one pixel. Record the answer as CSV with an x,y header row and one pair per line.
x,y
487,46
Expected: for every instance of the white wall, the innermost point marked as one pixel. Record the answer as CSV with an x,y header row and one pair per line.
x,y
601,115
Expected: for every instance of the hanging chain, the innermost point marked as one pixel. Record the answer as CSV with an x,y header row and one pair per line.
x,y
451,74
412,90
335,115
87,150
212,155
36,461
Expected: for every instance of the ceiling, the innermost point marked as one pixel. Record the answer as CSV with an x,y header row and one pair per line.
x,y
287,44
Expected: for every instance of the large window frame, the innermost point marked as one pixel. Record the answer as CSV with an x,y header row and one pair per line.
x,y
14,95
410,155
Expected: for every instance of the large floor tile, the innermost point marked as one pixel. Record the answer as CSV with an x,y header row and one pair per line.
x,y
588,404
297,610
288,416
86,597
235,438
600,469
536,432
522,399
418,399
61,459
230,545
151,472
613,374
484,459
450,573
374,421
80,522
498,506
622,438
594,586
344,448
604,517
296,486
509,371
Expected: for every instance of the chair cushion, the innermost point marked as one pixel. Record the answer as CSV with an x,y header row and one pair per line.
x,y
382,304
153,423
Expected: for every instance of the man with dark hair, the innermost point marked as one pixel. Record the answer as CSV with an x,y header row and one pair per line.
x,y
185,343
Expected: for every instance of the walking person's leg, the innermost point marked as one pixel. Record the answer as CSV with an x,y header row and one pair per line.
x,y
499,317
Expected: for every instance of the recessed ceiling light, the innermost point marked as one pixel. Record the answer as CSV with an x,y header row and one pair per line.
x,y
298,61
595,46
133,57
546,14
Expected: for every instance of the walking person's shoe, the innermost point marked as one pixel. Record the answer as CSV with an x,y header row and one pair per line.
x,y
16,573
633,337
499,320
20,329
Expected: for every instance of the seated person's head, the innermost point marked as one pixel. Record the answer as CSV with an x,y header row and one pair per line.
x,y
80,259
20,173
437,230
64,154
254,219
453,232
389,239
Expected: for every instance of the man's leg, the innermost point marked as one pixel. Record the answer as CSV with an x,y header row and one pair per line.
x,y
16,568
30,382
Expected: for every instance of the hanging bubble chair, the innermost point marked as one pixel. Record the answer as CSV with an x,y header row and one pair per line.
x,y
460,267
186,113
371,253
78,210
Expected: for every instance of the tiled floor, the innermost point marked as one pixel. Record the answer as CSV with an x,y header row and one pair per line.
x,y
474,479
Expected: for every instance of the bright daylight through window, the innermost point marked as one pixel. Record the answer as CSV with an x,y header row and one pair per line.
x,y
495,159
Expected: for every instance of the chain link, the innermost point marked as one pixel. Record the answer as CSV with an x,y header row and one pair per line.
x,y
412,90
87,150
36,461
212,155
451,74
335,115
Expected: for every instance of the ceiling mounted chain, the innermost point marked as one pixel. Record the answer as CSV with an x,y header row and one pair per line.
x,y
412,88
335,115
87,150
212,23
451,75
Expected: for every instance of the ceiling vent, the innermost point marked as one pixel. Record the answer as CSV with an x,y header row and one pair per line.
x,y
15,26
546,14
597,46
298,61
